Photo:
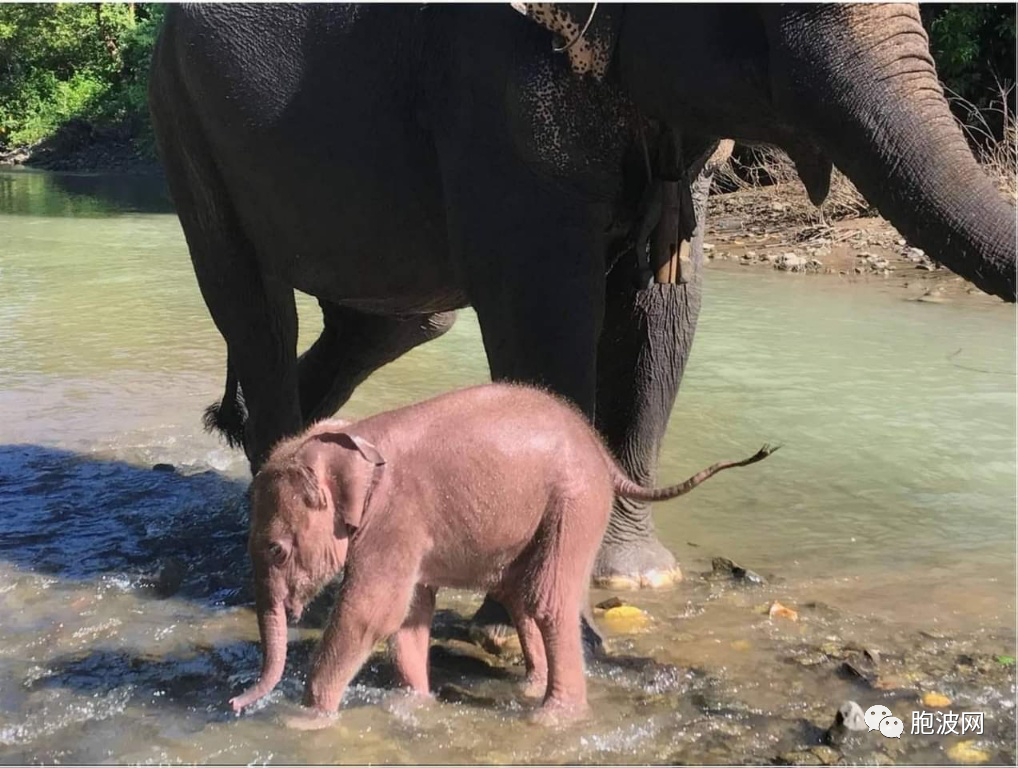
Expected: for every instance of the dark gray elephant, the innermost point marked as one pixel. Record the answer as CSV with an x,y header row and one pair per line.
x,y
400,162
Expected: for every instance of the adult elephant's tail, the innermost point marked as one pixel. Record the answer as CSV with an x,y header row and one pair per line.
x,y
630,490
228,415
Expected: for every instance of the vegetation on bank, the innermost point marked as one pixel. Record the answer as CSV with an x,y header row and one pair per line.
x,y
75,66
79,70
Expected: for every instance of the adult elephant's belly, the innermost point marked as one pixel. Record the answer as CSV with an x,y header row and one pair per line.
x,y
357,221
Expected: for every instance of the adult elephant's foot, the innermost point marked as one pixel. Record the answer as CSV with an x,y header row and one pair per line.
x,y
493,630
636,563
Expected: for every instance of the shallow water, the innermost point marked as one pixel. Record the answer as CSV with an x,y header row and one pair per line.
x,y
124,590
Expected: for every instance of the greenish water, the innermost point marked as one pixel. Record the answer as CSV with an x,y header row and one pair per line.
x,y
893,498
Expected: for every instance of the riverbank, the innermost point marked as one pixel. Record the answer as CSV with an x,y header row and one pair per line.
x,y
776,229
83,147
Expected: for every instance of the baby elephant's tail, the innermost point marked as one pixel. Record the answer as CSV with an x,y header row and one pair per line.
x,y
627,488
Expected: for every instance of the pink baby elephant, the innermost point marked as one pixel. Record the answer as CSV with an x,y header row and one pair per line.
x,y
501,488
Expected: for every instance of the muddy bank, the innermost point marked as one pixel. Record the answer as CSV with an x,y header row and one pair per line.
x,y
82,147
775,229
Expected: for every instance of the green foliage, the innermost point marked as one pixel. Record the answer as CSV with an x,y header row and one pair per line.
x,y
60,61
974,48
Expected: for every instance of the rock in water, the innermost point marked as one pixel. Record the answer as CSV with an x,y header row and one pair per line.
x,y
848,720
936,700
966,753
723,567
625,619
777,610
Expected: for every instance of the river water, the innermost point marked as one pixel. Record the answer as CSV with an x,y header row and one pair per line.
x,y
887,519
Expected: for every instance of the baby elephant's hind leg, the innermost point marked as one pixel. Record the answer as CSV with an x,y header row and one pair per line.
x,y
410,643
566,694
561,568
532,645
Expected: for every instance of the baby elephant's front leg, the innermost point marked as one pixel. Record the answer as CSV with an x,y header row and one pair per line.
x,y
410,643
368,610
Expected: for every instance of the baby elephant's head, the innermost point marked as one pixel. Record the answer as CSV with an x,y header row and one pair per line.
x,y
297,543
306,502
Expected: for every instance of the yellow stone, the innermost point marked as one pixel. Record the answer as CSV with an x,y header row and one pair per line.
x,y
623,612
936,700
782,611
967,753
740,645
625,618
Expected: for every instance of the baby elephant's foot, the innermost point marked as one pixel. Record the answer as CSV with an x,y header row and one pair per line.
x,y
534,687
310,720
405,701
558,714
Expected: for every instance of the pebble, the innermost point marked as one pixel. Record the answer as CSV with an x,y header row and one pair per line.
x,y
777,610
936,700
891,683
967,753
790,262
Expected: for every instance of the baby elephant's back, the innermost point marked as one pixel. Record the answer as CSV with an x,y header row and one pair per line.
x,y
518,439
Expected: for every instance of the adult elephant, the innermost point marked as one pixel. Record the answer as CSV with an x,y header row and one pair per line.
x,y
400,162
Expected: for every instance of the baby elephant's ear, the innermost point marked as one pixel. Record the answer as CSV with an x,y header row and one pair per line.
x,y
351,468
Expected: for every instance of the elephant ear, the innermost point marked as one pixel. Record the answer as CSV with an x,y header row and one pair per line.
x,y
586,32
351,468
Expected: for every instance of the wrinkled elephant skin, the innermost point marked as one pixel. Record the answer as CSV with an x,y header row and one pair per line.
x,y
399,162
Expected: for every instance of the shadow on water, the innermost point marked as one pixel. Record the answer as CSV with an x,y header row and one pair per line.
x,y
33,193
80,518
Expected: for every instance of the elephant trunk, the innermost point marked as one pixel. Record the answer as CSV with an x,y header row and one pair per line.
x,y
272,627
861,78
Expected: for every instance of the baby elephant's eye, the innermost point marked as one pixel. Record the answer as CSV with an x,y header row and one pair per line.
x,y
276,552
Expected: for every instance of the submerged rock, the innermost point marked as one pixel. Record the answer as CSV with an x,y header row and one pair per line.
x,y
167,579
967,753
936,700
504,644
722,567
451,693
798,757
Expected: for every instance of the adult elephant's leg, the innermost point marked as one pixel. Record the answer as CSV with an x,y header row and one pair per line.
x,y
255,314
351,347
643,352
532,261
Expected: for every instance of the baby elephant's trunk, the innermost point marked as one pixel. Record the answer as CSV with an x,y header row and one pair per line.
x,y
630,490
272,626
